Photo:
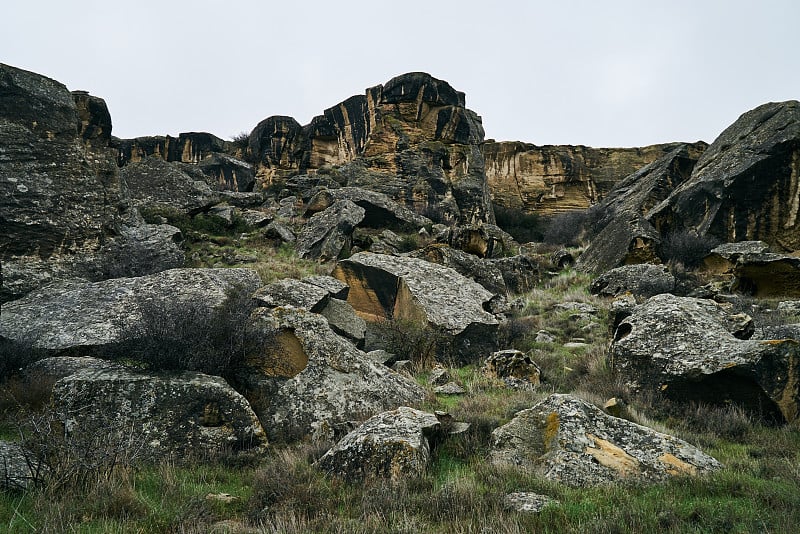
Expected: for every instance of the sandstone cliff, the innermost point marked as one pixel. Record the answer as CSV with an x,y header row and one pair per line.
x,y
555,178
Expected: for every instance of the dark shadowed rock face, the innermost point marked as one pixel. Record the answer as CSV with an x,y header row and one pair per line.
x,y
568,440
691,350
412,139
61,201
746,186
642,280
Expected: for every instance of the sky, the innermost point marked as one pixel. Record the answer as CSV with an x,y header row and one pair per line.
x,y
599,73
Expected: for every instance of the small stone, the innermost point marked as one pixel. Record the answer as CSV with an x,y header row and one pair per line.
x,y
451,388
439,376
543,336
532,503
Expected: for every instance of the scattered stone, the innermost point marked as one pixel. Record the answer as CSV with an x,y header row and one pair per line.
x,y
512,363
566,439
451,388
439,376
392,445
526,502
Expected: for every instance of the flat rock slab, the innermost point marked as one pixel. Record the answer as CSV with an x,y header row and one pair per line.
x,y
566,439
82,314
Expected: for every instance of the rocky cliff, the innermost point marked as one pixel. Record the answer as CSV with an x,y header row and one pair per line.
x,y
555,178
412,139
63,209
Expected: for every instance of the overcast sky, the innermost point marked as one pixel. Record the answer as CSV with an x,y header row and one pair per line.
x,y
598,73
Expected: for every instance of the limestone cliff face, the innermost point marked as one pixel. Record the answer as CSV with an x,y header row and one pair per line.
x,y
412,139
550,179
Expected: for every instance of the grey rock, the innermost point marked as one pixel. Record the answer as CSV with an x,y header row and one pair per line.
x,y
641,280
343,320
328,233
221,211
291,292
288,207
520,273
789,307
543,336
527,502
511,363
80,314
686,349
153,183
228,172
336,288
174,417
624,240
19,469
384,286
308,378
381,357
52,369
486,274
577,307
450,388
439,376
391,445
379,210
281,231
402,366
141,250
568,440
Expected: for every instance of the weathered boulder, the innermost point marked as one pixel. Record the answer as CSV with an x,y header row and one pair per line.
x,y
392,445
62,204
228,173
642,280
485,273
328,233
179,417
767,275
344,320
379,210
280,231
396,287
483,240
140,250
291,292
566,439
691,350
744,187
309,382
335,287
623,241
153,183
50,370
18,467
83,315
723,258
514,365
520,273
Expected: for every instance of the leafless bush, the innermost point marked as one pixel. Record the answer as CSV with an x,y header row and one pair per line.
x,y
686,248
414,341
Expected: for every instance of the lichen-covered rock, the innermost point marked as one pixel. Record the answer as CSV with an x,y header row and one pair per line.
x,y
642,280
291,292
512,364
178,417
153,183
309,382
18,467
79,314
469,265
336,288
383,287
343,319
566,439
745,185
50,370
691,350
392,445
280,231
623,241
527,502
379,210
520,273
329,232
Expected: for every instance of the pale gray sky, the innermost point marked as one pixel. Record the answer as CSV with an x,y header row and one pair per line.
x,y
599,73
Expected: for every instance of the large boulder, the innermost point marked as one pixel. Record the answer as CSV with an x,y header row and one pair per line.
x,y
745,185
179,417
621,242
329,233
566,439
469,265
396,287
155,184
81,315
379,210
691,350
642,280
308,382
62,203
393,445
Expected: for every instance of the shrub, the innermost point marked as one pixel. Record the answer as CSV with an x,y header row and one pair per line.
x,y
411,340
523,227
186,335
686,248
571,228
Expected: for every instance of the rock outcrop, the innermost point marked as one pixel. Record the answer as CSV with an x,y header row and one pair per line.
x,y
82,316
412,139
691,350
396,287
641,280
329,233
753,270
566,439
61,201
392,445
179,417
553,179
379,210
154,184
310,383
746,186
